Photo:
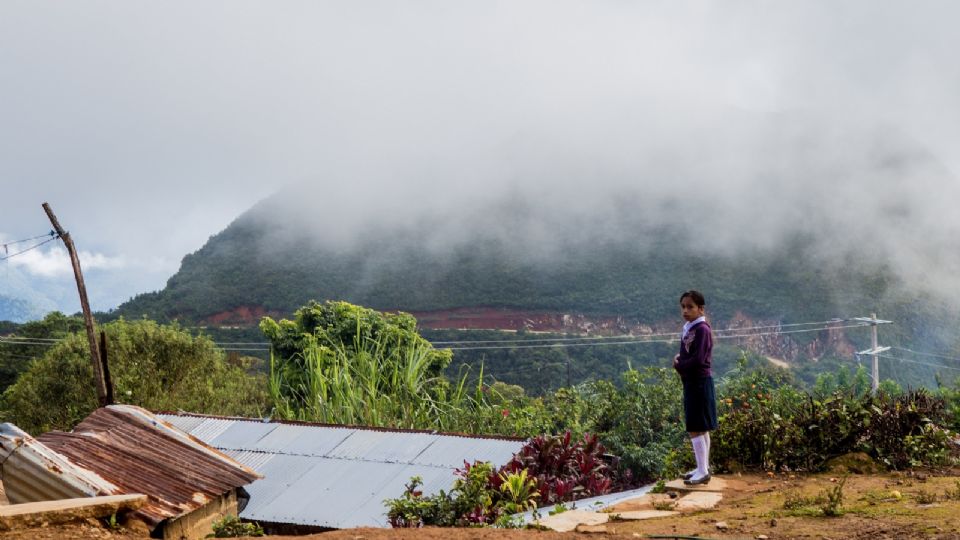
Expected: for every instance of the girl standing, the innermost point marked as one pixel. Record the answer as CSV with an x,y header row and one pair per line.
x,y
693,365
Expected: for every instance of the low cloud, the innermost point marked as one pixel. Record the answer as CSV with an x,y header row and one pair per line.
x,y
55,262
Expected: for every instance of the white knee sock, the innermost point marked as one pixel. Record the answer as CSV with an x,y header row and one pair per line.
x,y
700,453
706,460
698,445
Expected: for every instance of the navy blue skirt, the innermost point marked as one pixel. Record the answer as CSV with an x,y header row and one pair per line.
x,y
699,404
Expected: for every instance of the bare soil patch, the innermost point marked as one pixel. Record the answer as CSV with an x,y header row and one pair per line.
x,y
917,504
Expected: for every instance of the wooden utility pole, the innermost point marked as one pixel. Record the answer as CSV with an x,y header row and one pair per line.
x,y
105,366
99,381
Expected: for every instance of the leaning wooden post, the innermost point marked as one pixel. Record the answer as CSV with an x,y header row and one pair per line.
x,y
98,379
105,367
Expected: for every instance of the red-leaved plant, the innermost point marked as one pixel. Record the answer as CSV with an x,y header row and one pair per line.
x,y
565,469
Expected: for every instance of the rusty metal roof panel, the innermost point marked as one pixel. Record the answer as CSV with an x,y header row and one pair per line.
x,y
32,472
139,453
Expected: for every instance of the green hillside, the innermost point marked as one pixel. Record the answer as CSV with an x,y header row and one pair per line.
x,y
246,266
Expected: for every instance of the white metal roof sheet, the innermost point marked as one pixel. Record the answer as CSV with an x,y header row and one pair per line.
x,y
338,476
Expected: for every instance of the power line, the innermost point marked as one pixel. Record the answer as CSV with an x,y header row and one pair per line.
x,y
927,354
633,336
51,233
917,362
673,340
43,344
729,333
27,338
18,356
21,252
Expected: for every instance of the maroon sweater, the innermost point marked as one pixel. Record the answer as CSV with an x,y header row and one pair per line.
x,y
696,353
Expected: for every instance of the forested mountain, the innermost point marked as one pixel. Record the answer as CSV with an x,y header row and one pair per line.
x,y
261,264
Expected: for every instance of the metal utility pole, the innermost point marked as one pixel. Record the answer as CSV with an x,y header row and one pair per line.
x,y
99,381
875,349
876,364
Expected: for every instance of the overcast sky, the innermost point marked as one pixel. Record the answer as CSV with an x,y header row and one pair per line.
x,y
150,126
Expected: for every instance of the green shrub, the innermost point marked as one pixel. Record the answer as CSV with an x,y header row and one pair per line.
x,y
152,365
766,423
232,527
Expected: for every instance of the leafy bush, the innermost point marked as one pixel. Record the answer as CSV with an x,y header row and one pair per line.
x,y
153,366
765,423
473,500
564,468
641,423
232,527
552,469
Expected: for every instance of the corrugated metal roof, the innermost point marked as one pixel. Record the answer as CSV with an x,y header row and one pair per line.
x,y
32,472
339,476
138,453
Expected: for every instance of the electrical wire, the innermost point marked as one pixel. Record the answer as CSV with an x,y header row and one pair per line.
x,y
17,356
21,252
674,340
633,336
42,344
917,362
51,233
586,341
927,354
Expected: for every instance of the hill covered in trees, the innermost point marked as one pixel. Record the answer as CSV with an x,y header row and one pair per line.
x,y
265,263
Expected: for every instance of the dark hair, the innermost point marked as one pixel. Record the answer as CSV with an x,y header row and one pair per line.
x,y
696,296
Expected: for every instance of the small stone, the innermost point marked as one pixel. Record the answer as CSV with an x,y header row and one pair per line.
x,y
721,525
773,522
762,537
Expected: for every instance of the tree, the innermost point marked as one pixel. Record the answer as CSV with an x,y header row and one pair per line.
x,y
337,362
15,358
159,367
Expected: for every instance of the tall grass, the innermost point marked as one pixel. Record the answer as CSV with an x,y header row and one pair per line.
x,y
382,381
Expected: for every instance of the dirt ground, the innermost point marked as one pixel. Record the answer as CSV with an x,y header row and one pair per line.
x,y
896,505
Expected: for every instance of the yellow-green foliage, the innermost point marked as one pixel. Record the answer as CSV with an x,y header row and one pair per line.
x,y
345,364
160,367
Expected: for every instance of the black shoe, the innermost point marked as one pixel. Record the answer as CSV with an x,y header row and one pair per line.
x,y
688,476
698,481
